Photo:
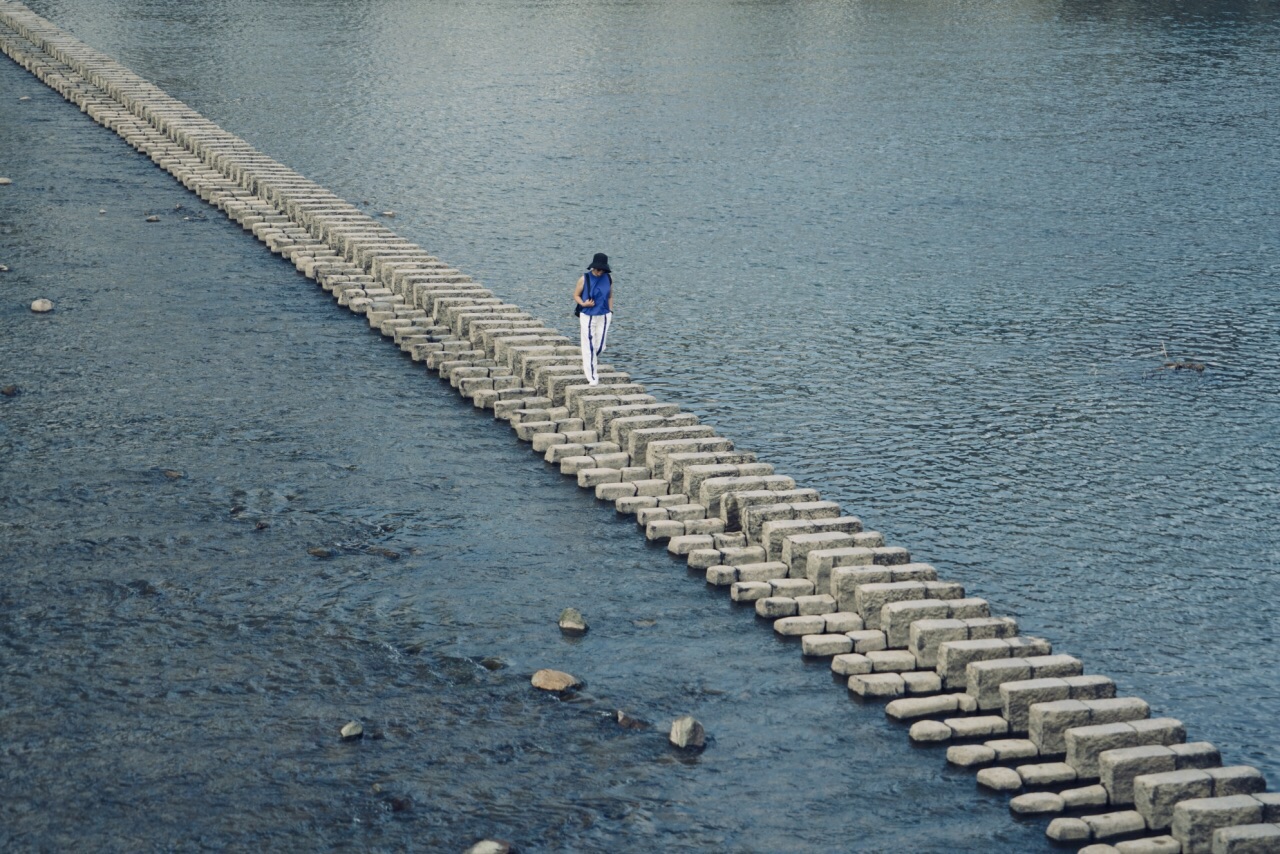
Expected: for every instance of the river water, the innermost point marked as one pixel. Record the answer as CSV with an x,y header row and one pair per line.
x,y
927,257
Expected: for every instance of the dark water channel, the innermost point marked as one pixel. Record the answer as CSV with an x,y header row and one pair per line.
x,y
924,257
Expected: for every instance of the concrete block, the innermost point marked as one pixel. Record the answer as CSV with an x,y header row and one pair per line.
x,y
588,478
686,543
891,660
1196,754
614,491
749,591
980,726
843,622
877,685
663,529
819,604
646,515
988,664
1046,774
1247,839
911,708
846,578
1156,795
1236,780
794,587
774,607
1118,768
796,549
867,640
922,682
761,571
896,619
1084,797
1085,744
1194,821
970,755
1037,803
1013,749
772,534
929,732
825,644
1068,830
850,664
1000,780
721,576
1114,824
1048,722
799,626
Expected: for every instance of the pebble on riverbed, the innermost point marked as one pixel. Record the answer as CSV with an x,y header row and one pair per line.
x,y
688,733
572,622
41,306
554,680
351,731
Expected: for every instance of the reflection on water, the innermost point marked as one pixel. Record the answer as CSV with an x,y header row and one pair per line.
x,y
927,259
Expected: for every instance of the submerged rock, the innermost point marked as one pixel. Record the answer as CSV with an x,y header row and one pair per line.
x,y
173,474
687,733
491,663
10,390
627,722
572,622
320,552
351,731
4,268
153,218
554,680
41,305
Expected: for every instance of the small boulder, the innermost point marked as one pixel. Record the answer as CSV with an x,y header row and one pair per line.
x,y
389,213
491,846
572,622
4,268
351,731
153,218
554,680
41,306
10,391
24,98
261,526
5,181
320,552
492,663
173,474
687,733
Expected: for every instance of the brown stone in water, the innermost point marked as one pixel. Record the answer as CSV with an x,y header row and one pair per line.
x,y
554,680
10,390
687,732
172,474
627,722
492,663
319,552
351,731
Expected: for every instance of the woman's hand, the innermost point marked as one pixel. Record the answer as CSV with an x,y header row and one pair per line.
x,y
588,303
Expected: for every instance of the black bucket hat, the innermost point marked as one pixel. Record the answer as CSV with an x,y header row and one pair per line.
x,y
600,262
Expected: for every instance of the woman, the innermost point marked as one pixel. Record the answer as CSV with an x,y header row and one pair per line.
x,y
594,293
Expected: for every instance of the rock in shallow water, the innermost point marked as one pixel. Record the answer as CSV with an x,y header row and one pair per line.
x,y
554,680
687,732
41,305
572,622
491,846
351,731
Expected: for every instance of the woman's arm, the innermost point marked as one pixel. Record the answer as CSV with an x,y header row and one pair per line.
x,y
577,293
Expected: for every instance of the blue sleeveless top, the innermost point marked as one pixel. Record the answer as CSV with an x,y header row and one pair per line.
x,y
597,288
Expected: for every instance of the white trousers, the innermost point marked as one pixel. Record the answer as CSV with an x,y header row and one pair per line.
x,y
595,333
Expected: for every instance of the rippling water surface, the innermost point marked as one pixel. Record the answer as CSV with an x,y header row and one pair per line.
x,y
928,258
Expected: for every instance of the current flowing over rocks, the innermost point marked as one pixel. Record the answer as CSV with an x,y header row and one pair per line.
x,y
889,625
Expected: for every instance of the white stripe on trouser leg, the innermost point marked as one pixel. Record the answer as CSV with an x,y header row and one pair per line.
x,y
594,332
